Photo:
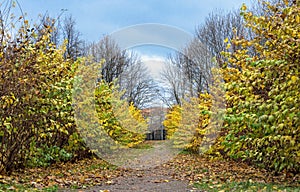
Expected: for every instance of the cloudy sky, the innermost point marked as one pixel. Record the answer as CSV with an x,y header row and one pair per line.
x,y
95,18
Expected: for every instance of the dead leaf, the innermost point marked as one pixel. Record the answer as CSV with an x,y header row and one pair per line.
x,y
11,188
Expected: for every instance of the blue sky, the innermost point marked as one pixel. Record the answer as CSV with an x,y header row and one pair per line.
x,y
96,18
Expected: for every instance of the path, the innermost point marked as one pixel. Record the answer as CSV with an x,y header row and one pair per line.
x,y
145,181
148,174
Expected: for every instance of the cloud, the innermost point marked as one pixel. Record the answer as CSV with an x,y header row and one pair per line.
x,y
154,63
152,33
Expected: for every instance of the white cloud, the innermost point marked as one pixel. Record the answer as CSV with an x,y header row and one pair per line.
x,y
154,63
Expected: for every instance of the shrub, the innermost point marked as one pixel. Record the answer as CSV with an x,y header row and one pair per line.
x,y
35,95
187,126
263,117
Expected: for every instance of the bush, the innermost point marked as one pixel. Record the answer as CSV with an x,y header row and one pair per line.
x,y
263,115
45,156
122,122
35,95
107,122
187,125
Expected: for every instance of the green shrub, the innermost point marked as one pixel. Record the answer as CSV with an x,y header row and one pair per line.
x,y
45,156
263,114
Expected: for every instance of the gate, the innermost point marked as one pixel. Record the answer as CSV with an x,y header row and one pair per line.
x,y
156,135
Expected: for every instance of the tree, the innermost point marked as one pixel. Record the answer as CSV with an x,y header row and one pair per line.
x,y
115,59
125,69
62,32
188,73
219,28
74,44
175,84
47,22
138,85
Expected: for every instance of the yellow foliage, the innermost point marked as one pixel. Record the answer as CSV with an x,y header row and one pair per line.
x,y
262,121
36,106
187,125
122,121
172,121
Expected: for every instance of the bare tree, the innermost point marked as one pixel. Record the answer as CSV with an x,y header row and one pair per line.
x,y
197,65
124,68
139,85
61,31
217,27
175,83
115,59
188,73
74,43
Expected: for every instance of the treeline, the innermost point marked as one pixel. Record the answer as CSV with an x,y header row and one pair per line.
x,y
256,51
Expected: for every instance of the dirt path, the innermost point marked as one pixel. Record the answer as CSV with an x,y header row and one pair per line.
x,y
147,173
145,180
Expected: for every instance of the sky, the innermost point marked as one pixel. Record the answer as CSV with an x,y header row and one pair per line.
x,y
96,18
101,17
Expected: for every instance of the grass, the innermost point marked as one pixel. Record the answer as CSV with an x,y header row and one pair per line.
x,y
185,152
243,186
102,166
21,188
144,145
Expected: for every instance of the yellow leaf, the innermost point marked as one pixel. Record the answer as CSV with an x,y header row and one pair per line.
x,y
228,46
297,18
294,79
226,40
244,7
82,179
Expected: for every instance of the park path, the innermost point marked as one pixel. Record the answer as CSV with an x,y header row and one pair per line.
x,y
147,173
153,180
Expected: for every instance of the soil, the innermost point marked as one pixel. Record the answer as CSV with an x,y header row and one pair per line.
x,y
147,173
145,180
